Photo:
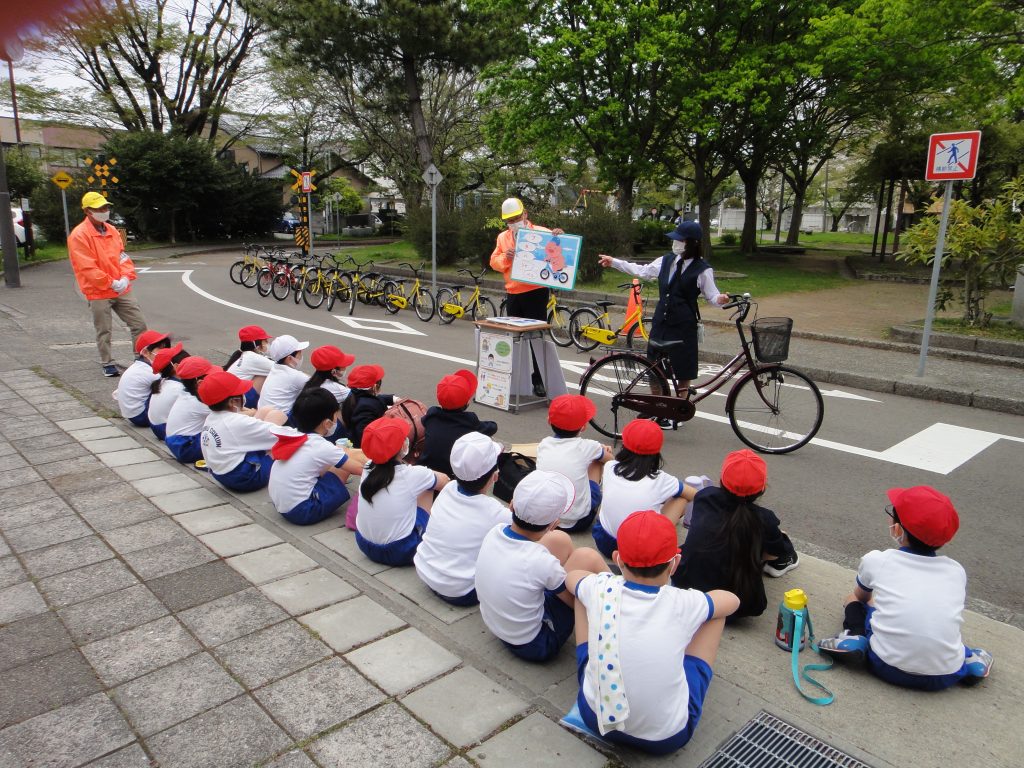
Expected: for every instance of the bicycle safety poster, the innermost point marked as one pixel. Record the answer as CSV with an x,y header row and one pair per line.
x,y
494,369
542,258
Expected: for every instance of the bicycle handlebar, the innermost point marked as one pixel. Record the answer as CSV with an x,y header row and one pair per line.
x,y
741,302
476,278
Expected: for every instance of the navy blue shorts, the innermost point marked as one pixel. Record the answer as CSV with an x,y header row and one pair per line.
x,y
583,523
464,601
399,552
328,495
185,448
556,626
698,679
141,419
605,542
252,398
252,473
896,676
160,430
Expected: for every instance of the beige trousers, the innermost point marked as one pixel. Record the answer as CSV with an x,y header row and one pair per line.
x,y
127,308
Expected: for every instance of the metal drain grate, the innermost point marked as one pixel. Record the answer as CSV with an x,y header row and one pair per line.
x,y
768,742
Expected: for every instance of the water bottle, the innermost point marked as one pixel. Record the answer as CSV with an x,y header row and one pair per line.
x,y
793,602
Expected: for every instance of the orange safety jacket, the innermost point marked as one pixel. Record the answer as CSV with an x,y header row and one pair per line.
x,y
98,259
502,262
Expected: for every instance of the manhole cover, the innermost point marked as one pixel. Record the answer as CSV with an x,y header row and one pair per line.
x,y
768,742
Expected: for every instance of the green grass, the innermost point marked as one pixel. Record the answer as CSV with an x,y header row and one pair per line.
x,y
48,252
378,254
836,238
992,331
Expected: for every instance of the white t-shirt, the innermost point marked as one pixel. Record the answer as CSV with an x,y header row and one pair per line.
x,y
572,457
512,573
622,497
391,515
161,403
228,436
340,391
251,364
187,416
292,480
134,387
655,626
282,386
446,558
919,605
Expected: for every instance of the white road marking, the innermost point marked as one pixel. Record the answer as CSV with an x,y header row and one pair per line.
x,y
373,324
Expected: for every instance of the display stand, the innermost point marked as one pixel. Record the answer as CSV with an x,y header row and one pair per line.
x,y
505,365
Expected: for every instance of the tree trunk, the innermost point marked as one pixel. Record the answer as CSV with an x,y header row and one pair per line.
x,y
424,150
888,218
878,221
793,236
625,185
748,239
173,230
704,208
899,216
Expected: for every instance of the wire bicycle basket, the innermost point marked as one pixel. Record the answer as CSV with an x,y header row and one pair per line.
x,y
771,338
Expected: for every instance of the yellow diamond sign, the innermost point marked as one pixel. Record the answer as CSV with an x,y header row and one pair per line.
x,y
62,179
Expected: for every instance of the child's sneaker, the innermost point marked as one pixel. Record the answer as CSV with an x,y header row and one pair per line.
x,y
979,664
781,565
844,646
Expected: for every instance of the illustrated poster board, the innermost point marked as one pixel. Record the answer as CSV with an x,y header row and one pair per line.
x,y
494,368
542,258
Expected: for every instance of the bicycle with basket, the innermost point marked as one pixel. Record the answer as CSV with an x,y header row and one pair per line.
x,y
772,407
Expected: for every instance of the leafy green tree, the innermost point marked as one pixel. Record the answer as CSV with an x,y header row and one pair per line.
x,y
23,174
345,199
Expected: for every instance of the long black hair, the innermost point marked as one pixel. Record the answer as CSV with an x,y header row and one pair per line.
x,y
245,346
378,477
318,378
636,466
167,372
741,534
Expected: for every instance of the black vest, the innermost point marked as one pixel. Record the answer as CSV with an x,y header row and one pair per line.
x,y
677,310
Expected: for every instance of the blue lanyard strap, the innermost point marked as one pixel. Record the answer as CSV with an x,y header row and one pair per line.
x,y
798,628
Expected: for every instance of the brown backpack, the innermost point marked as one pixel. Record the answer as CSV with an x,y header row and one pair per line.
x,y
413,412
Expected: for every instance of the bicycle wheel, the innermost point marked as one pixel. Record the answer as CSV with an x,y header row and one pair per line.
x,y
281,286
617,374
392,291
638,333
313,290
503,307
558,319
371,292
298,281
484,308
235,271
446,297
340,291
424,305
249,274
581,319
264,281
775,409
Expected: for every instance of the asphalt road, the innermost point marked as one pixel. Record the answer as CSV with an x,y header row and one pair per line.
x,y
830,494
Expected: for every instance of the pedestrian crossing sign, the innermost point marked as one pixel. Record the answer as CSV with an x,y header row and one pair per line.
x,y
952,156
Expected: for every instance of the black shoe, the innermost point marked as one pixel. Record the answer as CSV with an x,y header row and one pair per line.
x,y
781,565
539,390
664,422
111,371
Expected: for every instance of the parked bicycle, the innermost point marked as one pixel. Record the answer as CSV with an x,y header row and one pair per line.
x,y
773,408
450,302
558,318
246,270
421,300
366,286
588,328
326,282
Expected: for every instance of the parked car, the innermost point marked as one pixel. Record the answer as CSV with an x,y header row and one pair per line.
x,y
19,227
118,221
287,224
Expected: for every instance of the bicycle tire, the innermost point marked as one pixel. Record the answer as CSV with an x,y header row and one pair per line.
x,y
582,317
298,281
558,319
313,290
249,274
638,329
235,271
392,290
281,286
372,292
264,281
445,296
340,291
773,415
424,305
484,308
616,374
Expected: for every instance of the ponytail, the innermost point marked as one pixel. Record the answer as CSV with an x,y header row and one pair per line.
x,y
245,346
742,537
377,478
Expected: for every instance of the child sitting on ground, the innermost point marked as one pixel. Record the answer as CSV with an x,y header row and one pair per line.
x,y
235,444
188,415
250,361
134,389
166,389
449,420
307,481
579,459
462,515
635,480
520,571
907,607
364,403
394,497
644,649
732,540
285,380
329,364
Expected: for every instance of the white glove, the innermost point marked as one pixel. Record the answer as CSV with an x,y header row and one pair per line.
x,y
120,285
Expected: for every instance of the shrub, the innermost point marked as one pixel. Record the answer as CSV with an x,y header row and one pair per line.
x,y
650,233
729,238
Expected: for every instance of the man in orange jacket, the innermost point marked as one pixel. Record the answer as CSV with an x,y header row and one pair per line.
x,y
104,274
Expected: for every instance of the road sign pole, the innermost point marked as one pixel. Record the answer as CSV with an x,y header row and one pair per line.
x,y
933,290
67,222
433,239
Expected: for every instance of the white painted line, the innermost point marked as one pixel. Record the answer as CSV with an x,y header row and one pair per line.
x,y
373,324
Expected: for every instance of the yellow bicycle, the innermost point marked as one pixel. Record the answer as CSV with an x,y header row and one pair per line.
x,y
451,305
558,318
418,297
589,328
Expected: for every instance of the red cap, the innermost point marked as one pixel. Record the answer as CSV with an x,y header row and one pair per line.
x,y
329,357
220,385
163,357
571,412
148,339
456,389
252,333
383,438
365,376
195,367
643,437
926,514
647,538
744,473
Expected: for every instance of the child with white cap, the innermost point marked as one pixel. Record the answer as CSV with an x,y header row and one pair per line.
x,y
285,380
645,649
520,571
462,515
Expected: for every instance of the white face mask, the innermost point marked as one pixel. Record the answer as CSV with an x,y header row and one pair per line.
x,y
515,226
898,540
678,247
100,216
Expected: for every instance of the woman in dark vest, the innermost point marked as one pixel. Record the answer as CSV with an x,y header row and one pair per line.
x,y
682,277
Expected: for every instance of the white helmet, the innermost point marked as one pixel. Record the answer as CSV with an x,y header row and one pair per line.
x,y
511,208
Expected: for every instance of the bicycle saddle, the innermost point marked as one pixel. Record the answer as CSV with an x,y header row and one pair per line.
x,y
658,345
604,304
